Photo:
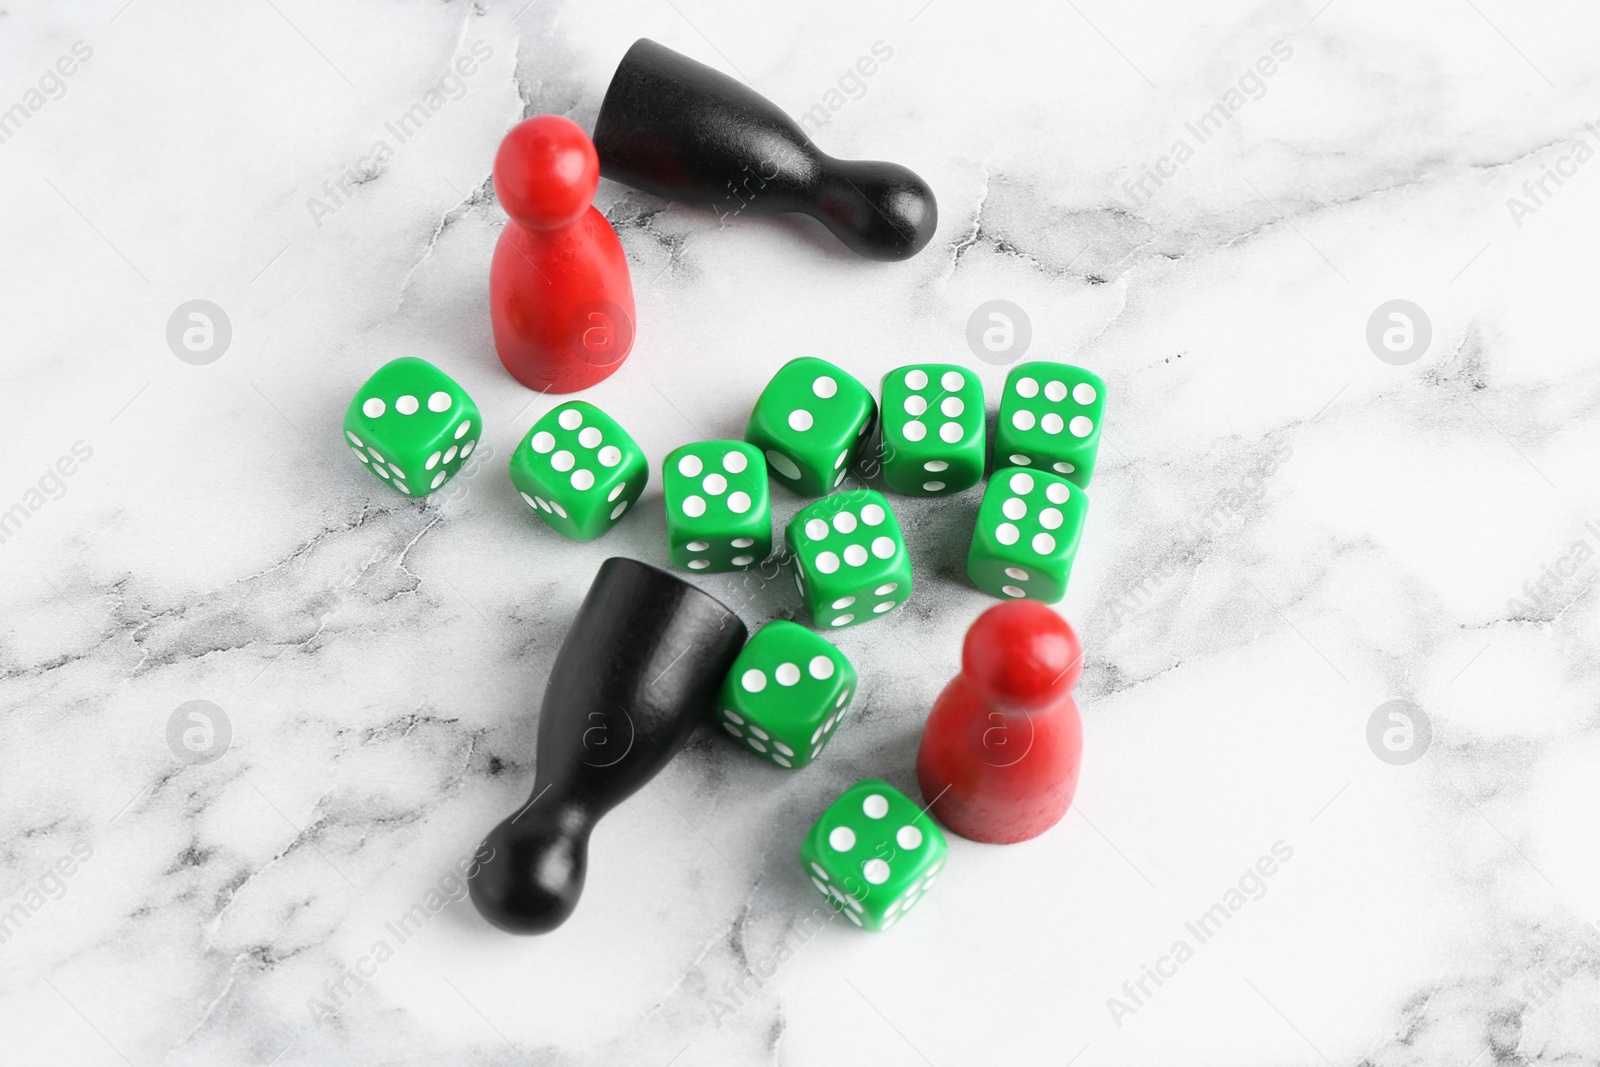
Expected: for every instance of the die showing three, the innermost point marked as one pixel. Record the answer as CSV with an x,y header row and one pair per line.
x,y
412,426
786,694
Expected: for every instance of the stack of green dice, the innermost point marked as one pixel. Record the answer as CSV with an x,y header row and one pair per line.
x,y
1032,515
933,444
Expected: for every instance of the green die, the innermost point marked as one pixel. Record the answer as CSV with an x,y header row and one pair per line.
x,y
811,421
578,470
719,508
1028,529
412,425
786,694
873,854
933,429
850,562
1050,419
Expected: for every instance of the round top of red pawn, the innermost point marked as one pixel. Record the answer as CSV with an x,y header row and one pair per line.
x,y
1021,655
546,172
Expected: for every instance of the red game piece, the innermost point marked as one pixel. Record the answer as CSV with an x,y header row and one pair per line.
x,y
1000,754
559,294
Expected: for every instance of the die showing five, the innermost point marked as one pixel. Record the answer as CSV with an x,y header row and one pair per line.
x,y
873,854
719,513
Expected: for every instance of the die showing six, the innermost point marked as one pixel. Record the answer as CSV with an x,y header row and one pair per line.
x,y
933,429
578,470
412,425
1050,419
1027,534
786,694
719,511
873,854
811,422
850,562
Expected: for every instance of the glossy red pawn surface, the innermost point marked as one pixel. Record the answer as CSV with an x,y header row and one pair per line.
x,y
560,298
1000,754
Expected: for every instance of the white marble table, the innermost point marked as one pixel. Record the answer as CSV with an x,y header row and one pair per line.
x,y
1287,532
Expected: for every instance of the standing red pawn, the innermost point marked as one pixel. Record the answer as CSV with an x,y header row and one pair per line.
x,y
559,294
1000,754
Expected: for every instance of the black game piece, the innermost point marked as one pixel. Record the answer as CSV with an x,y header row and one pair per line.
x,y
678,129
641,664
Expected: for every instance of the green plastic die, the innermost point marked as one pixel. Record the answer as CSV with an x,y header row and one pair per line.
x,y
1050,418
578,470
786,694
412,425
1029,525
811,422
873,854
933,429
850,562
719,508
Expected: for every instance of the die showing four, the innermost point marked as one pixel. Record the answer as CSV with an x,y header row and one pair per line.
x,y
873,854
933,429
850,562
412,426
811,422
719,508
786,694
578,470
1027,535
1050,419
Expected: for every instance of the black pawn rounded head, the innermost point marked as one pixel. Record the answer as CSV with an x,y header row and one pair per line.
x,y
533,876
685,132
879,210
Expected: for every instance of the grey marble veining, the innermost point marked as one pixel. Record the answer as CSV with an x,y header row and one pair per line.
x,y
1287,533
